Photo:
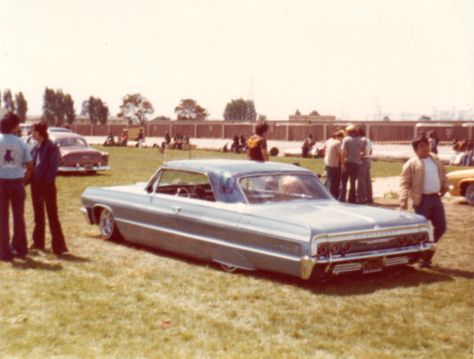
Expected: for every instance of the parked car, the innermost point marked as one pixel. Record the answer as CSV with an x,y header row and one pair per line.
x,y
59,129
251,215
461,183
76,154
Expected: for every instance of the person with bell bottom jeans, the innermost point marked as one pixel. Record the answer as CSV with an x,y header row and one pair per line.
x,y
15,169
43,191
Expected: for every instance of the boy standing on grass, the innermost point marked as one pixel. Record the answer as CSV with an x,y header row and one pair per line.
x,y
43,190
424,180
15,170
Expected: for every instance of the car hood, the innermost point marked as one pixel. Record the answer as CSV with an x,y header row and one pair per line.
x,y
461,174
332,216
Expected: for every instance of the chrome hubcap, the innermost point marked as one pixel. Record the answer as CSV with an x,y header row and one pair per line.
x,y
228,268
106,223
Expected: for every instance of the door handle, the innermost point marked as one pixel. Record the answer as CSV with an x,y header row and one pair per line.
x,y
176,209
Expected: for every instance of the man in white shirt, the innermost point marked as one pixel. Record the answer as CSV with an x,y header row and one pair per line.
x,y
364,181
332,159
424,180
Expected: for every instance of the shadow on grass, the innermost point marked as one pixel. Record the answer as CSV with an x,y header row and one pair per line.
x,y
337,285
454,272
30,263
358,283
73,258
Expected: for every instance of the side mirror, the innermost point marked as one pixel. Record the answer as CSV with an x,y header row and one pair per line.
x,y
149,189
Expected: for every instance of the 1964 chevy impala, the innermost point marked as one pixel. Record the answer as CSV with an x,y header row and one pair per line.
x,y
250,215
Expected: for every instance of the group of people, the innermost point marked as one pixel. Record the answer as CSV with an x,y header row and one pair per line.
x,y
179,140
464,153
122,140
239,144
20,166
347,158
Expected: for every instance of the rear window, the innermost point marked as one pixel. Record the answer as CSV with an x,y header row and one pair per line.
x,y
282,188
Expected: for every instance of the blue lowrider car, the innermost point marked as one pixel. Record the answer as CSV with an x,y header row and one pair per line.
x,y
250,215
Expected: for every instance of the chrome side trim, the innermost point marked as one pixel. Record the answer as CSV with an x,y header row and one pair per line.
x,y
209,240
395,261
83,169
381,253
347,267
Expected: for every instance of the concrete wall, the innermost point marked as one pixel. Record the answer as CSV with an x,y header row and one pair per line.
x,y
380,131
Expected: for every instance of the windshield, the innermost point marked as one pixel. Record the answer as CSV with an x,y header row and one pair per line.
x,y
282,188
71,142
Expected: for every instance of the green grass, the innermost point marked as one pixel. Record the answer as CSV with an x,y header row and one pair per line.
x,y
118,301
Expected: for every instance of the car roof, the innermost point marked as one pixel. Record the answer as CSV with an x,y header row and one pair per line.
x,y
59,129
57,135
233,167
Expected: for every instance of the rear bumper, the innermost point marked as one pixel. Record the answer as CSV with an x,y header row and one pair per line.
x,y
387,258
83,168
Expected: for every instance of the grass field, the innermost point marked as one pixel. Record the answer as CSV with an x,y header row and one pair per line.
x,y
116,301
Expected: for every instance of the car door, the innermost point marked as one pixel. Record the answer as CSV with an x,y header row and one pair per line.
x,y
183,216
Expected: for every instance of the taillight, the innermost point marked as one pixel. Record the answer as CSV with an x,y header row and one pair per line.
x,y
346,248
335,248
323,249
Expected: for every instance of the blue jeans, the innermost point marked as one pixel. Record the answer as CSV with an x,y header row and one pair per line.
x,y
12,191
349,172
432,209
364,182
333,180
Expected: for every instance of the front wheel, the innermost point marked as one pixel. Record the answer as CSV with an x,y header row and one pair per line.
x,y
108,227
470,194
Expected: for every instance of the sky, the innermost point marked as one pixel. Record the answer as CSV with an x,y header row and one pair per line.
x,y
351,59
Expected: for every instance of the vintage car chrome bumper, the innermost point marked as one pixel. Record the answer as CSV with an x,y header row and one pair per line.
x,y
83,168
351,263
87,213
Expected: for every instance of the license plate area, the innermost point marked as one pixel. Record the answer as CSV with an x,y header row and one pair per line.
x,y
373,265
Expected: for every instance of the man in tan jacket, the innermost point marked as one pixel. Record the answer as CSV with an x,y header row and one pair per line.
x,y
424,180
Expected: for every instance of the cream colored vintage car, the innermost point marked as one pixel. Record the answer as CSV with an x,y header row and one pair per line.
x,y
461,183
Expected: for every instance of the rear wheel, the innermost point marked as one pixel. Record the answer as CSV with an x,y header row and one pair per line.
x,y
228,268
470,194
108,227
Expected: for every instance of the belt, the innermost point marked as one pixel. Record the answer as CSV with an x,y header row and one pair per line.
x,y
431,194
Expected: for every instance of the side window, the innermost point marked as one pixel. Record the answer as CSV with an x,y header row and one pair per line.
x,y
185,184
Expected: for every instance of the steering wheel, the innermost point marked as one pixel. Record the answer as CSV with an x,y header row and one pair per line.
x,y
183,192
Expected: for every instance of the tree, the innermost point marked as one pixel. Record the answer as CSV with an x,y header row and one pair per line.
x,y
21,106
8,100
297,113
135,108
240,110
262,118
48,106
69,111
188,109
314,113
57,107
96,109
424,118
